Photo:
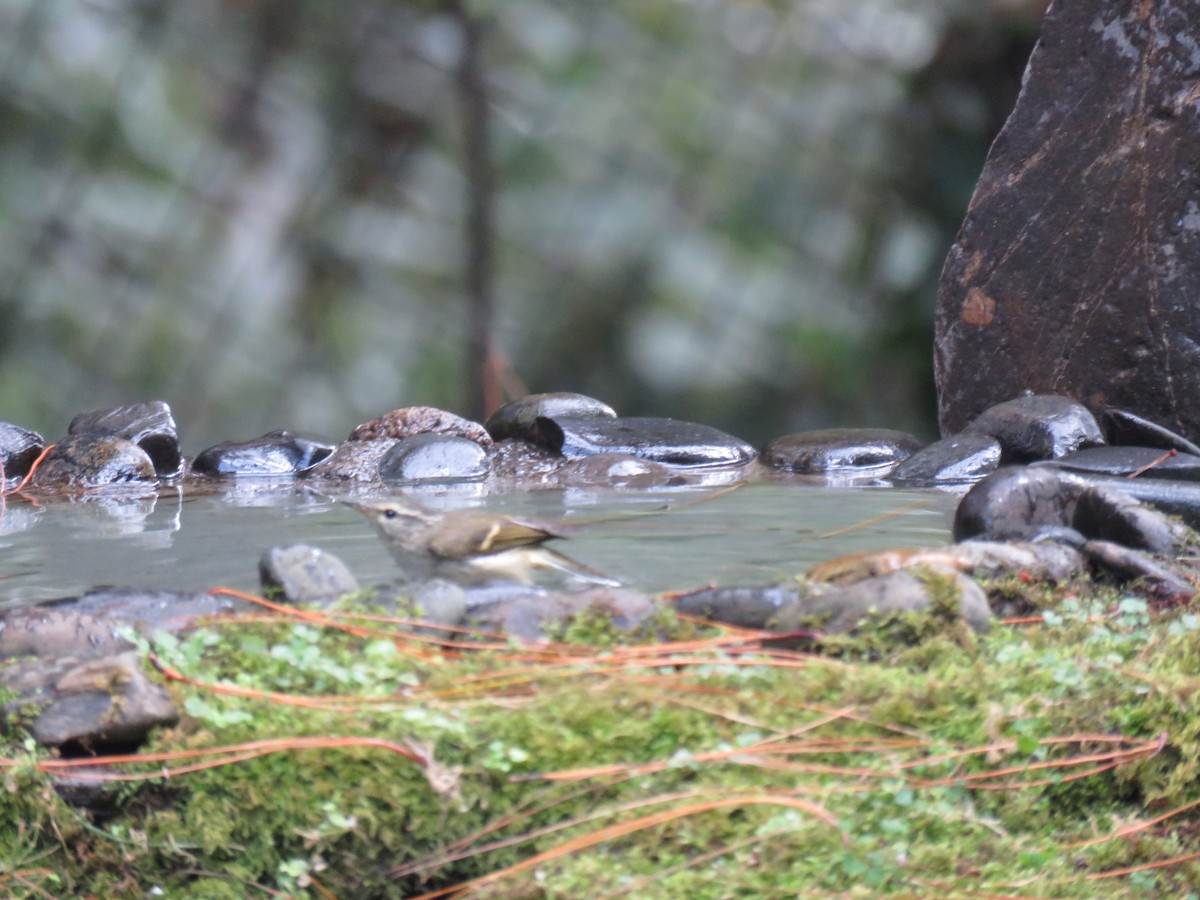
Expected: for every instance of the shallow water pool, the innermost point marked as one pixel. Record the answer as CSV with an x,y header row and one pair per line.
x,y
653,540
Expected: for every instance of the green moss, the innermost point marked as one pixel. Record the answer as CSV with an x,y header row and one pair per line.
x,y
888,739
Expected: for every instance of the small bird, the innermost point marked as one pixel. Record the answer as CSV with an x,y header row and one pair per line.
x,y
470,545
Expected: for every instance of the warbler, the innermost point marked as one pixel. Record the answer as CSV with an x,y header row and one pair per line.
x,y
470,545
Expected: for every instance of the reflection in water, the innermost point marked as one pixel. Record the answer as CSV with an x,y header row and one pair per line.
x,y
654,540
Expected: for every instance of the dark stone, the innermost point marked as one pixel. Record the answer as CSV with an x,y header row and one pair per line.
x,y
1077,269
1176,498
19,447
1038,427
956,460
433,457
1006,503
839,450
305,574
662,440
1108,515
353,461
1118,462
1126,429
150,425
410,420
516,419
92,460
275,453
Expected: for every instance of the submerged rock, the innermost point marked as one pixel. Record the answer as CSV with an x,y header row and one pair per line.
x,y
666,441
430,457
93,460
19,447
840,450
517,419
618,470
410,420
1038,427
353,461
956,460
276,453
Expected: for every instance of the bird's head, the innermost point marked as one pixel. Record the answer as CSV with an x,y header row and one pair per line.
x,y
395,519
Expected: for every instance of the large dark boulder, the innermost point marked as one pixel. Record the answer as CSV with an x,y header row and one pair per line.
x,y
1077,269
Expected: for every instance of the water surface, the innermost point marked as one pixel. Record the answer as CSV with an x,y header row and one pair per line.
x,y
655,541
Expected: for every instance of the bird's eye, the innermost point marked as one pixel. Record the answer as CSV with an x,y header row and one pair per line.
x,y
390,514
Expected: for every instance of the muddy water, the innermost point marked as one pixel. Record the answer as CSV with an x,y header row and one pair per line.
x,y
671,540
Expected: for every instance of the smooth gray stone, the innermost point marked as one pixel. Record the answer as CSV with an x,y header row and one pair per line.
x,y
536,617
742,607
1163,583
275,453
839,450
353,460
1176,498
516,419
150,425
1036,427
956,460
1116,462
662,440
1102,513
433,458
305,574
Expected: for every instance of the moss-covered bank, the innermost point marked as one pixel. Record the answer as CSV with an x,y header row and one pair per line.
x,y
1049,758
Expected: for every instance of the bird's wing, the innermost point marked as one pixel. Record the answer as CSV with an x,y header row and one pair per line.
x,y
470,533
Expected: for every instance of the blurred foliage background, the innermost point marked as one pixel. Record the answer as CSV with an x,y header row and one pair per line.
x,y
296,213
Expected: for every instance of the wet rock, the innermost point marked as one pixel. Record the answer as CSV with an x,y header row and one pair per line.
x,y
410,420
1164,584
956,460
149,610
1124,428
150,425
840,450
99,704
618,470
844,609
433,458
93,460
1108,515
795,609
1054,562
19,447
517,419
526,464
1038,427
304,574
275,453
663,440
1077,268
1118,462
1176,498
536,617
1006,503
353,461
